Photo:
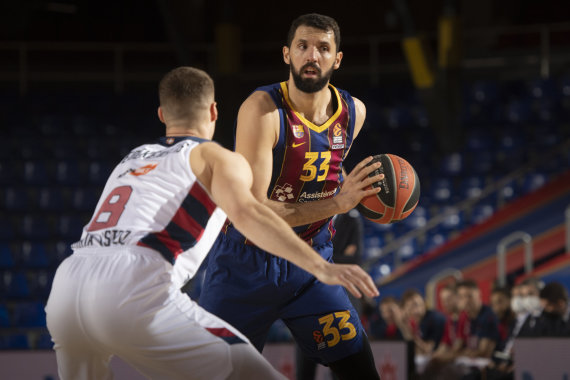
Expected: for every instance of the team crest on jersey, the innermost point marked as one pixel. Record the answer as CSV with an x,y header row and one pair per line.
x,y
298,131
170,140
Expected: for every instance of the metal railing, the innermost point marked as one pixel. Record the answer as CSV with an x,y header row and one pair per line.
x,y
468,204
502,252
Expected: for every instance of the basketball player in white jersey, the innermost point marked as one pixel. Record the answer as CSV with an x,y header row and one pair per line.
x,y
118,293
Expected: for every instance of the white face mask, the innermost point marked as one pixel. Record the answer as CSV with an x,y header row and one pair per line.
x,y
517,305
531,304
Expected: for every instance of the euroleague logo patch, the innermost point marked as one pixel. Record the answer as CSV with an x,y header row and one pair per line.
x,y
139,171
319,339
337,137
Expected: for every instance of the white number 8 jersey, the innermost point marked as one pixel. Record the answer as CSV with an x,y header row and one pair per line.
x,y
153,199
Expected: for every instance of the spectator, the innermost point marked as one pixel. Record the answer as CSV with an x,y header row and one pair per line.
x,y
553,321
389,322
501,305
426,325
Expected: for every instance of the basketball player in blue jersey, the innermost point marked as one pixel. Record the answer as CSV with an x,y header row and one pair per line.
x,y
295,135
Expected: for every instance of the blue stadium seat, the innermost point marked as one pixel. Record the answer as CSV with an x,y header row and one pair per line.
x,y
40,283
16,199
69,227
33,255
35,173
454,220
35,227
59,250
533,181
543,89
7,176
417,218
399,117
7,231
98,172
67,172
4,316
441,191
32,149
6,256
481,212
482,163
517,112
44,342
29,314
64,149
15,284
408,250
84,199
16,341
509,192
472,186
452,165
478,140
51,199
434,240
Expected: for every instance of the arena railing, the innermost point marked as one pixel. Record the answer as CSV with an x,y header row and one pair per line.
x,y
502,254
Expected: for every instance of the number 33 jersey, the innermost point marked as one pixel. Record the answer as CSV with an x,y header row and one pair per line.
x,y
153,199
307,159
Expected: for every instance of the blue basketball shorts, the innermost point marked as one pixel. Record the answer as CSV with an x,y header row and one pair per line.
x,y
251,289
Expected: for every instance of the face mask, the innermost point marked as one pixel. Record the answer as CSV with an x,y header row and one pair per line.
x,y
517,305
531,303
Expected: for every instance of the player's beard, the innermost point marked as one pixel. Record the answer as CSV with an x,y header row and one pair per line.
x,y
310,85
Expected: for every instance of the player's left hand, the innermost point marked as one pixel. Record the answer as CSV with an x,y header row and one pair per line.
x,y
351,276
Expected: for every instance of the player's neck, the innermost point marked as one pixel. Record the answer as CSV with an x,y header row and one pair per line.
x,y
183,131
316,107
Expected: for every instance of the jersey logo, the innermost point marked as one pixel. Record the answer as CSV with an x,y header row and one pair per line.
x,y
298,144
298,131
337,130
283,193
143,170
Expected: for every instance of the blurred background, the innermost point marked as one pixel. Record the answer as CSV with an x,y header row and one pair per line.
x,y
475,95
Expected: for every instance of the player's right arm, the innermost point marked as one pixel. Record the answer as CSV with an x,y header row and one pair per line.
x,y
257,133
228,178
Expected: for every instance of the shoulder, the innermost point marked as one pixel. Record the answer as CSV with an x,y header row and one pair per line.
x,y
260,100
359,107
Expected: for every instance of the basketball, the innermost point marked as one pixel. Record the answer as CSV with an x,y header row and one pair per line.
x,y
400,191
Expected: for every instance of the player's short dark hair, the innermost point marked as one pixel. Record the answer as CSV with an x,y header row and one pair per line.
x,y
554,292
469,284
315,20
184,91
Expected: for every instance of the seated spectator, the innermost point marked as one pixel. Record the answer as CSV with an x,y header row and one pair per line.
x,y
477,335
389,322
553,321
501,305
426,325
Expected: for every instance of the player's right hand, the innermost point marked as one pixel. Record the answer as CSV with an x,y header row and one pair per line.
x,y
351,276
357,185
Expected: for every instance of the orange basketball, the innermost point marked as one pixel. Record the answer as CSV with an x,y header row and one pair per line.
x,y
400,191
